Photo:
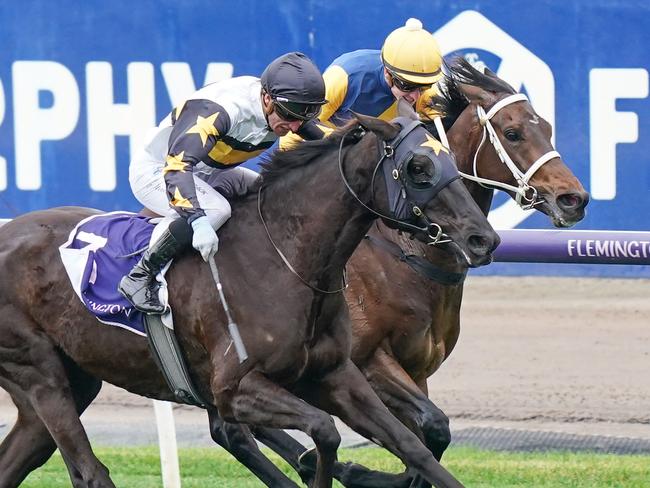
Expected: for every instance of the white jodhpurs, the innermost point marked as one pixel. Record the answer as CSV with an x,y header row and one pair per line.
x,y
212,186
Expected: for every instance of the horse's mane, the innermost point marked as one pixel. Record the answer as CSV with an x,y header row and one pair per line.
x,y
283,164
451,101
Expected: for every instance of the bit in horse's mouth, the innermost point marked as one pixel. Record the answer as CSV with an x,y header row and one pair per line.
x,y
467,259
554,213
453,248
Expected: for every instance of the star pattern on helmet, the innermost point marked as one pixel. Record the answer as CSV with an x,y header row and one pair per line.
x,y
204,127
434,144
175,163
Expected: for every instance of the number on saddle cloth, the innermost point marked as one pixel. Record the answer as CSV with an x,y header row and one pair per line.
x,y
98,253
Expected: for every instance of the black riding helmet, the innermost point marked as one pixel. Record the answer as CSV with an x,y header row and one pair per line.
x,y
296,86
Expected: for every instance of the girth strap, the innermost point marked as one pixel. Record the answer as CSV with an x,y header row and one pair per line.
x,y
419,265
168,356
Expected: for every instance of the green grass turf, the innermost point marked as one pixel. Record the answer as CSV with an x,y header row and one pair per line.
x,y
204,467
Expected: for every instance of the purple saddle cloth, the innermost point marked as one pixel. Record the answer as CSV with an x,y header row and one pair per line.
x,y
100,250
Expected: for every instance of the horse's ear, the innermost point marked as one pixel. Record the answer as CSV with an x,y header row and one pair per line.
x,y
405,109
475,94
487,71
383,129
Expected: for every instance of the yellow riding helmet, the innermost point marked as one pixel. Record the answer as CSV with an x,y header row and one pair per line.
x,y
412,54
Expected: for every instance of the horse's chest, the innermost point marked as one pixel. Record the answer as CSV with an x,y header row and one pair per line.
x,y
422,355
292,359
437,342
434,356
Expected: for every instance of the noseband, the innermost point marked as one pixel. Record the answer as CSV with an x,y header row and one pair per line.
x,y
526,195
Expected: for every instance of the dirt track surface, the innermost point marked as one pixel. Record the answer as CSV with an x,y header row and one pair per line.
x,y
570,352
560,354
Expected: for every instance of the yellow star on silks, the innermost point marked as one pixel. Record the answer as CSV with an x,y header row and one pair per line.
x,y
180,201
204,127
434,144
175,163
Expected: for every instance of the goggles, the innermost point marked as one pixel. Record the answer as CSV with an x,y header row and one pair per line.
x,y
408,86
291,111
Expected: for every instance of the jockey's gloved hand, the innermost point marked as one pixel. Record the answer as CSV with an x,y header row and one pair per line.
x,y
205,238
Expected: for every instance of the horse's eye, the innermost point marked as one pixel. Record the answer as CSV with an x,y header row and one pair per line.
x,y
420,171
512,135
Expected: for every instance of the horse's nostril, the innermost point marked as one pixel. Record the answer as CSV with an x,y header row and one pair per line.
x,y
479,245
571,201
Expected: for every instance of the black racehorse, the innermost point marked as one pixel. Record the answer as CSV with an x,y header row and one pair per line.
x,y
317,202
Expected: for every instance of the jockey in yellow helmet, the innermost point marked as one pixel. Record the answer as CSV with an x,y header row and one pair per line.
x,y
411,59
370,81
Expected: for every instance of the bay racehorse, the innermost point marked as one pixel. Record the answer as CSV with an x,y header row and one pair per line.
x,y
406,324
405,297
54,354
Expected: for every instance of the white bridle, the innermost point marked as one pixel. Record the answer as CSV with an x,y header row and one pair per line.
x,y
526,195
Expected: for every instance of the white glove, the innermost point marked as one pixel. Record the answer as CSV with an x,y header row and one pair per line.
x,y
205,238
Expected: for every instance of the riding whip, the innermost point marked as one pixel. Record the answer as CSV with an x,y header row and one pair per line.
x,y
233,330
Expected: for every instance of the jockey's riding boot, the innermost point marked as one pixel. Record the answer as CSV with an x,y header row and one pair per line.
x,y
140,286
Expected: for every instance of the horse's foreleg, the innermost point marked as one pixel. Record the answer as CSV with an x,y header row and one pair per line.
x,y
410,405
29,444
406,400
303,460
30,364
346,393
288,449
238,441
281,443
259,401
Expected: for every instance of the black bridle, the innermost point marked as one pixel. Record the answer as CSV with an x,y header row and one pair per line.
x,y
406,199
409,198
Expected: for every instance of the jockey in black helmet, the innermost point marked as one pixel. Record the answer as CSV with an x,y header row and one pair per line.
x,y
179,172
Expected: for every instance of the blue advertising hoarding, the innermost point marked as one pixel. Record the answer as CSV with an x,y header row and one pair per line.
x,y
82,81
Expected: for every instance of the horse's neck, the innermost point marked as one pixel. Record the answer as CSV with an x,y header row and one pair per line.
x,y
315,221
464,139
